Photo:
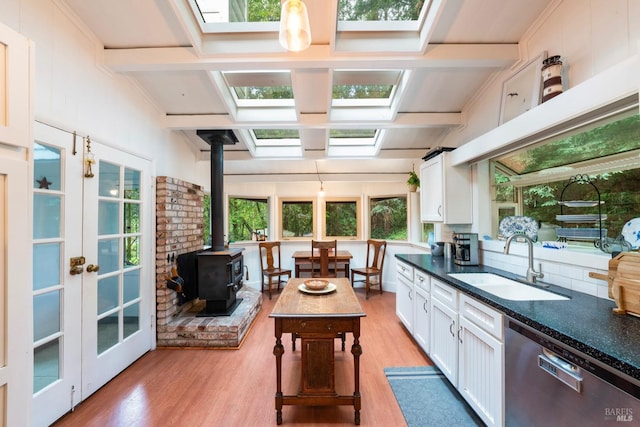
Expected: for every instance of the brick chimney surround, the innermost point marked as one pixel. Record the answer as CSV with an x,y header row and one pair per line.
x,y
180,229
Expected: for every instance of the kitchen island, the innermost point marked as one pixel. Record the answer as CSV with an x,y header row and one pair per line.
x,y
317,317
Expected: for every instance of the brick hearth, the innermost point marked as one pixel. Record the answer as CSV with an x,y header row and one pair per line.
x,y
187,330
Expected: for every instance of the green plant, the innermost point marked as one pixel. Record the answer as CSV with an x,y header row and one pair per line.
x,y
413,179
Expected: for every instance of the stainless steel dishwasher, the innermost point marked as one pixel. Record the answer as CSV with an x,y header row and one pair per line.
x,y
549,384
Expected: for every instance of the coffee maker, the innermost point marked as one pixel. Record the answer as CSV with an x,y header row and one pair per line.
x,y
466,248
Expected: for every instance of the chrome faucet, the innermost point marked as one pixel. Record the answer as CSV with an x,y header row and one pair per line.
x,y
532,274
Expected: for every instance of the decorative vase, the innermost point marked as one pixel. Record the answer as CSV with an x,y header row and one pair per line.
x,y
547,232
412,187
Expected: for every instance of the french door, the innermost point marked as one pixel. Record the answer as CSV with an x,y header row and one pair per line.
x,y
92,260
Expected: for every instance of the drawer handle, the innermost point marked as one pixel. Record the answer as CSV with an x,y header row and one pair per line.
x,y
410,296
451,329
459,336
329,326
424,306
303,324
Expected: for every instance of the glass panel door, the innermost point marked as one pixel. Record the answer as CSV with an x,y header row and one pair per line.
x,y
56,288
115,299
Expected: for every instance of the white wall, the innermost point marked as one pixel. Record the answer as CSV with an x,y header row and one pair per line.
x,y
73,92
589,35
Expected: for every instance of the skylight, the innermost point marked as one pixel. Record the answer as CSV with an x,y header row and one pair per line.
x,y
260,88
360,15
276,137
601,139
358,10
354,142
226,11
352,88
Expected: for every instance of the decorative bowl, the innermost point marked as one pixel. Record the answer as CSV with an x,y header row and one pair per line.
x,y
316,285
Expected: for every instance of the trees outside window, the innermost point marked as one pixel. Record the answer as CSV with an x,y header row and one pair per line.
x,y
297,216
342,219
606,151
388,218
247,216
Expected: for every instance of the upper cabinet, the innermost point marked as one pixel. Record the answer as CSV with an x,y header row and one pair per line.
x,y
445,191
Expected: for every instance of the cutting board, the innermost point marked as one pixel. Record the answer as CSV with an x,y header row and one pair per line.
x,y
627,296
623,279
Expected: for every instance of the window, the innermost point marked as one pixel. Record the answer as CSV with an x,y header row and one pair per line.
x,y
607,151
212,11
388,216
248,218
427,235
341,219
298,221
349,10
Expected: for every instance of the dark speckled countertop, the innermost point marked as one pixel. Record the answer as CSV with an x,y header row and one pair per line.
x,y
585,323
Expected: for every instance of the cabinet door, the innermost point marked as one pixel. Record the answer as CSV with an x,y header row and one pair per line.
x,y
422,322
404,302
431,195
480,373
444,341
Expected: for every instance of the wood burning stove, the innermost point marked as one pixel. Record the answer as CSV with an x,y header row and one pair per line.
x,y
219,269
219,279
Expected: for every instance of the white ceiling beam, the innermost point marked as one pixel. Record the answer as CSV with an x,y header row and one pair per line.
x,y
436,56
312,121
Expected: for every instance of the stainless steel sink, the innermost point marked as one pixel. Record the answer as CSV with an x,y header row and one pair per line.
x,y
506,288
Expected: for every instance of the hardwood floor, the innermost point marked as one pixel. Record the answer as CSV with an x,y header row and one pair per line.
x,y
201,387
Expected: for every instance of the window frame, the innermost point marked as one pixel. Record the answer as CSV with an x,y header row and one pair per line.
x,y
611,163
281,203
358,202
253,198
390,196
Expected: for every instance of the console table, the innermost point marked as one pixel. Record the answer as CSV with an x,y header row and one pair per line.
x,y
302,261
317,319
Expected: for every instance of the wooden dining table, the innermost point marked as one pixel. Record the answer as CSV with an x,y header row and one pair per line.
x,y
302,262
317,318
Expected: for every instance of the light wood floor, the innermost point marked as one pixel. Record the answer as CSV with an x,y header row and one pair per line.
x,y
200,387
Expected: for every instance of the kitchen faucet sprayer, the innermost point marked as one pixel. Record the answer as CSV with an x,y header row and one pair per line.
x,y
532,274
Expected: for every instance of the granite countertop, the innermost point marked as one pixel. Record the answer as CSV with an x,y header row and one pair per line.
x,y
585,323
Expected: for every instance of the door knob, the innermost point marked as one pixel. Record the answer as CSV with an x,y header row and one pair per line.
x,y
93,268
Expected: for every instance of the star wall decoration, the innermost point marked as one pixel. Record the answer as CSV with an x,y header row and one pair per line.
x,y
43,183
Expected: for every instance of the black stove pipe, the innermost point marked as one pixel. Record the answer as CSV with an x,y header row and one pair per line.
x,y
217,139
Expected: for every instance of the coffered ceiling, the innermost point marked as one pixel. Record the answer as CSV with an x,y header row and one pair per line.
x,y
193,72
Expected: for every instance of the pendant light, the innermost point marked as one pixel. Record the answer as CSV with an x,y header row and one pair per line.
x,y
321,192
295,34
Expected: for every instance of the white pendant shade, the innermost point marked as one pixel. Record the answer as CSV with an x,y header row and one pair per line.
x,y
295,34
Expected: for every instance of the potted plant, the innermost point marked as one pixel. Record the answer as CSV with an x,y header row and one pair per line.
x,y
413,182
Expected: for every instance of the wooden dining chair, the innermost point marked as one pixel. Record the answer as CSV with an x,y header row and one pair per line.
x,y
324,261
270,267
372,272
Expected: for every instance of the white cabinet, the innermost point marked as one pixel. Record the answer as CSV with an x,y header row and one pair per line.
x,y
422,310
461,335
481,359
445,191
404,295
444,327
467,345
